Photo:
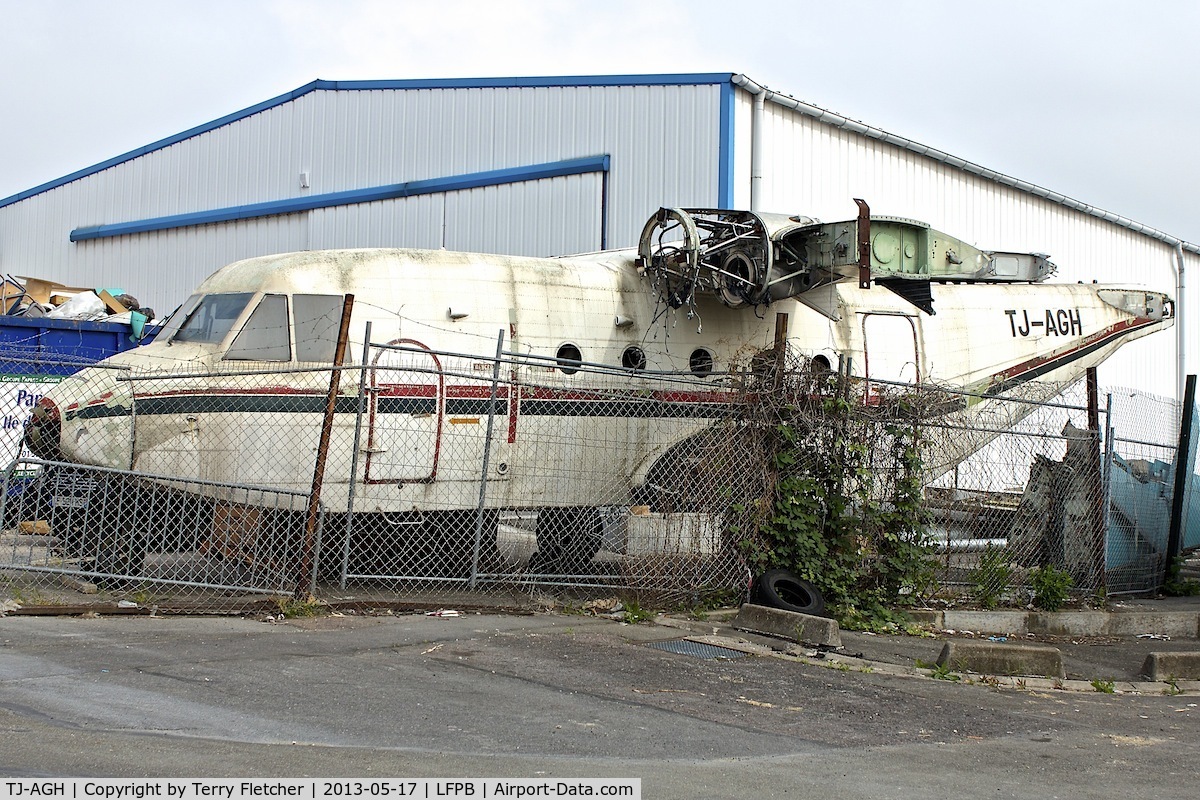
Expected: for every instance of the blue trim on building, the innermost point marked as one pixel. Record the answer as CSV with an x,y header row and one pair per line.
x,y
162,143
725,157
452,183
682,79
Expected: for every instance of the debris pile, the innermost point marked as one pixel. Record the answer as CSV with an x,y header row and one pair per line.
x,y
34,298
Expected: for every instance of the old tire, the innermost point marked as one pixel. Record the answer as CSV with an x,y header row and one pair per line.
x,y
783,589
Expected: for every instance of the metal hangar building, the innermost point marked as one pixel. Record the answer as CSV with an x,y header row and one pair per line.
x,y
544,166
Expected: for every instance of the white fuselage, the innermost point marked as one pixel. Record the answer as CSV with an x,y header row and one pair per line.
x,y
186,409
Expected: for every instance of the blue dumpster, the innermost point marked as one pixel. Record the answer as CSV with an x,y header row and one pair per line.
x,y
35,352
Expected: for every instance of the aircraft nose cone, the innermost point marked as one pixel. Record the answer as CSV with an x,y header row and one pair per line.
x,y
43,431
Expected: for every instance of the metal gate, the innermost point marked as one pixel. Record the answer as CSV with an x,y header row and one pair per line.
x,y
134,534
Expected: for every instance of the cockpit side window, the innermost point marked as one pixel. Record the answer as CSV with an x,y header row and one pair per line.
x,y
178,316
264,337
317,319
212,317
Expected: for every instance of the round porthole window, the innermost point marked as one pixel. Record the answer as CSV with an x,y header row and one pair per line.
x,y
701,362
633,358
569,359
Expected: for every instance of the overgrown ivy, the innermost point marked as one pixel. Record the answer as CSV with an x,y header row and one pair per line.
x,y
842,503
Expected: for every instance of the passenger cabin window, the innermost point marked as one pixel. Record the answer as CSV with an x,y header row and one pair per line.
x,y
211,318
264,337
569,359
701,362
318,317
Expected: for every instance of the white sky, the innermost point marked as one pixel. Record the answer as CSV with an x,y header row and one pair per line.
x,y
1096,100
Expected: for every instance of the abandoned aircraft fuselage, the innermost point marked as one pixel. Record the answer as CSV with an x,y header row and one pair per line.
x,y
212,388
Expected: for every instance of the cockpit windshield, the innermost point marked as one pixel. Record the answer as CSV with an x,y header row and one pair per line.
x,y
210,319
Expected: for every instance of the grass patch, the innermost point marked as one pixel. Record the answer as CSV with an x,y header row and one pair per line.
x,y
940,672
292,608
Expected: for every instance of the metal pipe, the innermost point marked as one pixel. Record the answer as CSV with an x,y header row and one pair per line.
x,y
487,455
1180,337
1110,434
362,394
90,574
756,148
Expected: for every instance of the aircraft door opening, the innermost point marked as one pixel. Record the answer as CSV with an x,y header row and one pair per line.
x,y
406,409
892,352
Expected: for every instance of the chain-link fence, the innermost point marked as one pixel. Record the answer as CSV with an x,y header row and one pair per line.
x,y
448,477
1050,493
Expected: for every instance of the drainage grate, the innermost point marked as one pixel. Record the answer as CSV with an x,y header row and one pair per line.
x,y
685,647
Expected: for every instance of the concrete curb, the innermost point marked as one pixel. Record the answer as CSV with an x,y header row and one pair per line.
x,y
1176,624
1171,666
789,625
843,663
846,663
988,658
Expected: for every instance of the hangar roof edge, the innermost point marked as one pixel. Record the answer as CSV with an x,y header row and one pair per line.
x,y
670,79
680,79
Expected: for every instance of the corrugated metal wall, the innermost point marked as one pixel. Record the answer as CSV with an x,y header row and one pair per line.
x,y
663,141
814,168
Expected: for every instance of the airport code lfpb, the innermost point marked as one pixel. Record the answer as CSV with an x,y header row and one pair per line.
x,y
308,789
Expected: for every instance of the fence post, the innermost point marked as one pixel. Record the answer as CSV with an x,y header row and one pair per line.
x,y
781,332
362,394
1110,434
8,473
132,417
487,455
1183,474
1096,479
306,573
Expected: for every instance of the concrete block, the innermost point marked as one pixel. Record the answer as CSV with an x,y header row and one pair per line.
x,y
926,617
1006,622
790,625
1000,658
1176,624
1164,666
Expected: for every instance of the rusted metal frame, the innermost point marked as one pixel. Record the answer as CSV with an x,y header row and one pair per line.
x,y
1093,399
723,273
305,574
864,244
728,243
781,331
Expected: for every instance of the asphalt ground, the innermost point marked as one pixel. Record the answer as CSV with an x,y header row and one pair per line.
x,y
491,695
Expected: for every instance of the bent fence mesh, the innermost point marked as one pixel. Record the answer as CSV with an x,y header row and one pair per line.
x,y
451,477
